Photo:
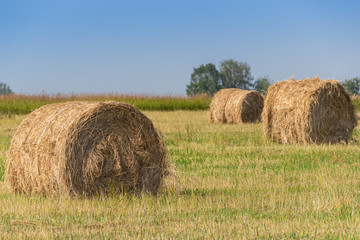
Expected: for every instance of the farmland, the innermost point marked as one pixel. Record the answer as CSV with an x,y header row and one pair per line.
x,y
24,104
231,183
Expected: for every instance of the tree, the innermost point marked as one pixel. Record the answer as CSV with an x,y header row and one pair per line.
x,y
204,79
5,89
352,85
262,84
235,74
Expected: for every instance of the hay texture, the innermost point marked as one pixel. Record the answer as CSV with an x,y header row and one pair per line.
x,y
244,106
217,105
234,105
83,148
308,111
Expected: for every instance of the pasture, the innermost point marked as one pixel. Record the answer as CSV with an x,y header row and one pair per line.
x,y
232,183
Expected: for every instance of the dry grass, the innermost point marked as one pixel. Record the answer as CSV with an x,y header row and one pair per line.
x,y
234,105
233,184
83,148
308,111
218,103
244,107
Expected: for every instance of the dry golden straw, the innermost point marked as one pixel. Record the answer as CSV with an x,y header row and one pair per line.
x,y
234,105
84,148
244,106
217,106
308,111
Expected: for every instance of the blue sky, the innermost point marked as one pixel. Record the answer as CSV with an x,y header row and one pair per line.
x,y
151,47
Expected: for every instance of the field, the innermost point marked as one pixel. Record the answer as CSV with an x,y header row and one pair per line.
x,y
232,183
24,104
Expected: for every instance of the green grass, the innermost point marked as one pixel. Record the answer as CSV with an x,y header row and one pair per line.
x,y
356,102
233,184
24,104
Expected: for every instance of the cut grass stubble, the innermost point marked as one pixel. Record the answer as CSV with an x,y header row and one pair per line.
x,y
233,183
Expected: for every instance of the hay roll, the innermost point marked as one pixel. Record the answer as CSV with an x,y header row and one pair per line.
x,y
83,148
308,111
217,106
244,106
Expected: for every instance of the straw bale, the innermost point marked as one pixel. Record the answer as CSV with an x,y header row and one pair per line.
x,y
84,148
217,106
244,106
308,111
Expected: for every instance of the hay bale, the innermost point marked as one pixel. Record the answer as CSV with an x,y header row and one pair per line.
x,y
83,148
308,111
217,106
244,106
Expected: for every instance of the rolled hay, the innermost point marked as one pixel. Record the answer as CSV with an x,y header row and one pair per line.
x,y
308,111
84,148
244,106
217,106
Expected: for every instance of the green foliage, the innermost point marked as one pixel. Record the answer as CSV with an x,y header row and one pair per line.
x,y
356,102
352,85
235,74
5,89
22,104
204,80
262,84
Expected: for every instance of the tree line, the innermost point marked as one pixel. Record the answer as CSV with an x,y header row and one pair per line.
x,y
5,89
352,85
206,79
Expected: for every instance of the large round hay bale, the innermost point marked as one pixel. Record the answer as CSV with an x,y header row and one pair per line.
x,y
244,106
217,106
83,148
308,111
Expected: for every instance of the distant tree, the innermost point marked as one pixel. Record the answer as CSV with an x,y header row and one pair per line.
x,y
352,85
262,84
204,79
5,89
235,74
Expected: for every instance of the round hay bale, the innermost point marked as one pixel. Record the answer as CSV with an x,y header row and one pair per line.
x,y
217,106
87,148
308,111
244,106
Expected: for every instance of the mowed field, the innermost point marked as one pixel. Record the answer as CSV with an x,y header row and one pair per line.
x,y
231,183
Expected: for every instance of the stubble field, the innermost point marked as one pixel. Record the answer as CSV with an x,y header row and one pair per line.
x,y
232,183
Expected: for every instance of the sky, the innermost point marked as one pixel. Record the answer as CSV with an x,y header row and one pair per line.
x,y
152,47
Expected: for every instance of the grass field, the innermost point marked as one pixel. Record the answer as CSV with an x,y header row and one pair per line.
x,y
24,104
232,183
